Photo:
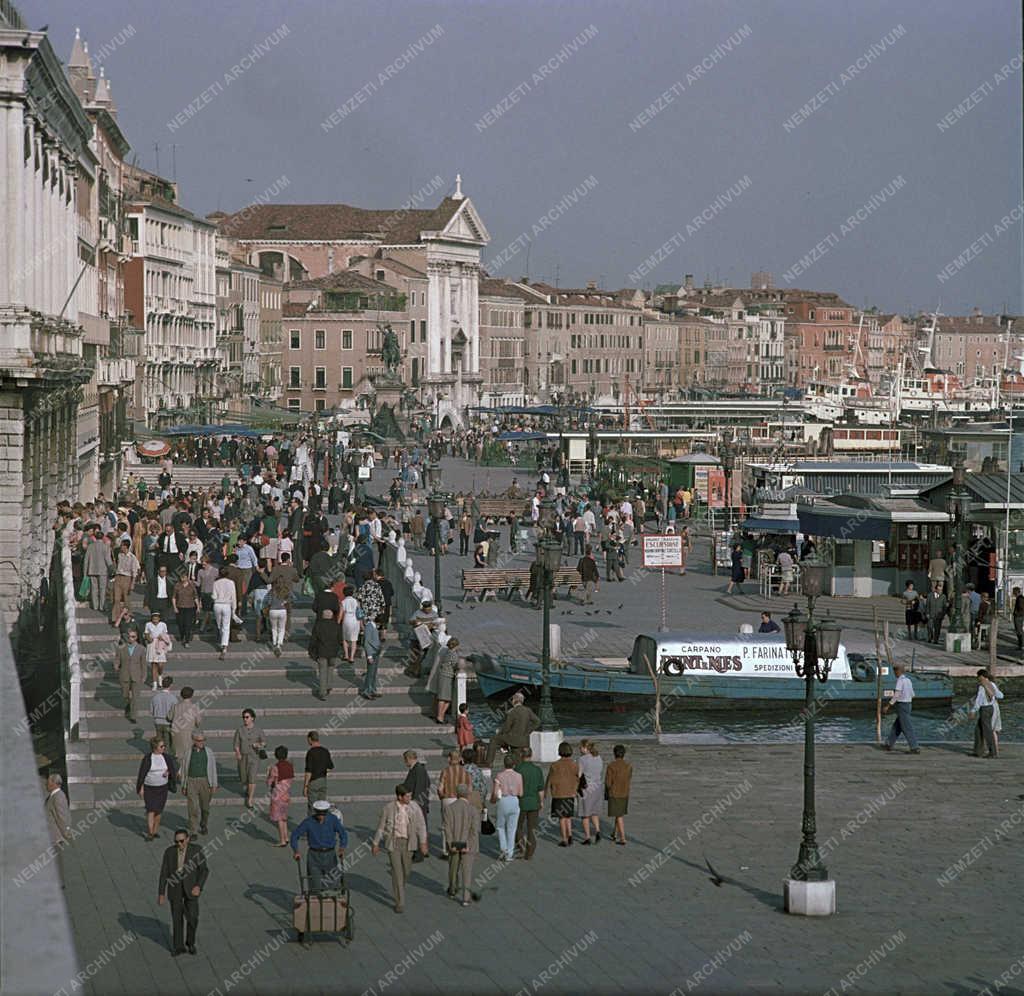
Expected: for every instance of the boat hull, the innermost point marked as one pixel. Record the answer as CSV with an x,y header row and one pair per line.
x,y
500,677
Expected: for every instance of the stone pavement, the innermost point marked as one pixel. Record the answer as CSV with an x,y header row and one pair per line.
x,y
696,602
646,919
925,851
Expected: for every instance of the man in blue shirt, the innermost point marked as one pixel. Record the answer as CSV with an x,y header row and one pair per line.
x,y
246,564
768,625
322,864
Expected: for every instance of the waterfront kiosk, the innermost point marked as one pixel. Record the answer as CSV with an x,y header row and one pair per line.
x,y
700,473
995,521
877,543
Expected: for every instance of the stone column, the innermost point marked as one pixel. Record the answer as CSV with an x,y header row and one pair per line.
x,y
52,264
472,328
34,225
13,463
433,317
15,252
444,344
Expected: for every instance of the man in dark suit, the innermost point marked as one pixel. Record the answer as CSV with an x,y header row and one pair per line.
x,y
936,607
171,549
183,874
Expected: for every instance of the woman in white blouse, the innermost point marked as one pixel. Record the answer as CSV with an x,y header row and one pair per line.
x,y
158,642
225,602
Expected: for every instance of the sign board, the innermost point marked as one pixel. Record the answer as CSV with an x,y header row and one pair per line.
x,y
662,550
364,473
733,656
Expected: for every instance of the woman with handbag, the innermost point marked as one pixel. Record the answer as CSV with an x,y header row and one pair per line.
x,y
443,674
279,780
591,790
250,749
350,618
506,791
157,778
158,644
562,784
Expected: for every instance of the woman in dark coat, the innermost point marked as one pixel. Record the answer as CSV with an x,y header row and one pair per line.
x,y
737,573
158,777
325,648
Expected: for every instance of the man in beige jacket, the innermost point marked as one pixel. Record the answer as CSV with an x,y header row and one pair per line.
x,y
402,829
462,831
184,717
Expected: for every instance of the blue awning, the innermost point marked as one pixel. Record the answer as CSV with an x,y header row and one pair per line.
x,y
521,437
773,525
851,523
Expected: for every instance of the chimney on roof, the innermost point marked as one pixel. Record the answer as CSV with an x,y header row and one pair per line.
x,y
458,195
688,283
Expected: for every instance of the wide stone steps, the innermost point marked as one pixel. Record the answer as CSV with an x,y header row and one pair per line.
x,y
106,688
366,737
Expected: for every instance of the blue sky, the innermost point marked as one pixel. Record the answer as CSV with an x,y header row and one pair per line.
x,y
529,100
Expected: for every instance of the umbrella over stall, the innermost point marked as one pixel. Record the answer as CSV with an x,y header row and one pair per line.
x,y
153,448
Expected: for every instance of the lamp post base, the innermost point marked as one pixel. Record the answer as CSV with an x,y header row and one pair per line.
x,y
544,744
809,898
958,643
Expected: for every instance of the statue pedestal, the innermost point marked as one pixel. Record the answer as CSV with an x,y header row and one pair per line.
x,y
389,390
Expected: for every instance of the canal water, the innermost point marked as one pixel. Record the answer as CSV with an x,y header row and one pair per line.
x,y
781,726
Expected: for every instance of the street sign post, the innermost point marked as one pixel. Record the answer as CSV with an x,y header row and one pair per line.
x,y
662,550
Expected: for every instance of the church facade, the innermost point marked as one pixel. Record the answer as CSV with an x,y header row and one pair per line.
x,y
429,261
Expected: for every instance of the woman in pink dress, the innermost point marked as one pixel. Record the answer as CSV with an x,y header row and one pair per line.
x,y
279,778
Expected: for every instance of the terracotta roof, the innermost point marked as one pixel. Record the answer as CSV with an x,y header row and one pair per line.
x,y
493,287
589,297
345,280
336,222
162,204
404,227
399,266
966,324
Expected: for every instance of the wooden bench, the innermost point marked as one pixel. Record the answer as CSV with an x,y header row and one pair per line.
x,y
482,581
501,508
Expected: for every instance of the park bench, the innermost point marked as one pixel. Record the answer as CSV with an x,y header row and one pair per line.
x,y
482,581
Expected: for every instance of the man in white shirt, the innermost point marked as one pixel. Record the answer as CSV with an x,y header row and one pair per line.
x,y
987,709
902,699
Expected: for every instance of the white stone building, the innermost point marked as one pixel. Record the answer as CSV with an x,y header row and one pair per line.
x,y
171,281
45,149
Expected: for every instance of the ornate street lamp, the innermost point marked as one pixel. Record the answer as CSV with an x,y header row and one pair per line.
x,y
436,507
727,455
549,557
957,507
814,647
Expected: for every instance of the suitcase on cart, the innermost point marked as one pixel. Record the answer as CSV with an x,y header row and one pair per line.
x,y
328,912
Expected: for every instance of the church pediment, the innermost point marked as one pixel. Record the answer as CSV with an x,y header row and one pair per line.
x,y
465,226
